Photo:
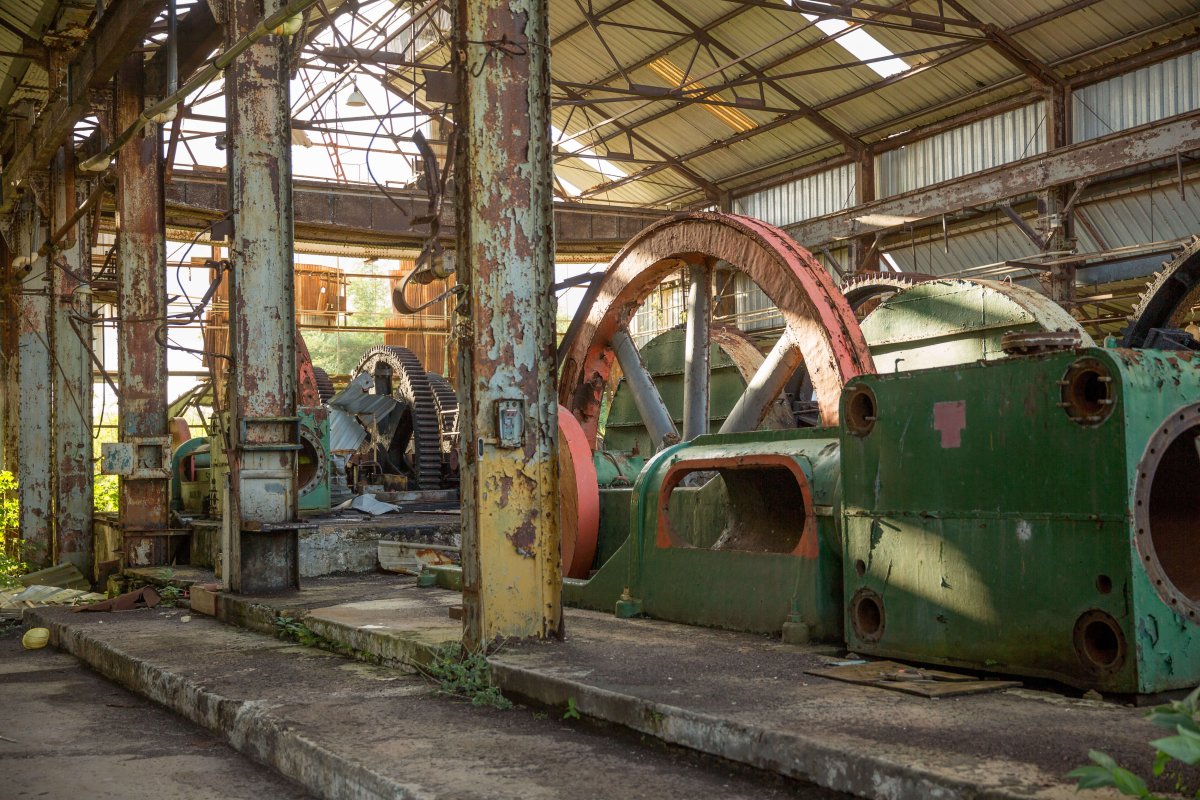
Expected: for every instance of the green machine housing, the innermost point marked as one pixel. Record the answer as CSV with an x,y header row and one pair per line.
x,y
1032,515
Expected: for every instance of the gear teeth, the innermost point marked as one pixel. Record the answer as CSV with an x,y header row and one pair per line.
x,y
1169,291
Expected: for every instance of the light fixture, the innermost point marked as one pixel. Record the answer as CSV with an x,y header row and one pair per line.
x,y
356,99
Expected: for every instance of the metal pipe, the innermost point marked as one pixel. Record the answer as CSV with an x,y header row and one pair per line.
x,y
765,386
645,394
697,343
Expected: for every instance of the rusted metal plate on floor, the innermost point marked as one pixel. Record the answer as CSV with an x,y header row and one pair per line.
x,y
911,680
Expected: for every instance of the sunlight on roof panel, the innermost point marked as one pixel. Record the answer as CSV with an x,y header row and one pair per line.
x,y
582,152
861,45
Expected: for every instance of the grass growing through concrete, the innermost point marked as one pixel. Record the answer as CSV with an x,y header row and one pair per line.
x,y
461,673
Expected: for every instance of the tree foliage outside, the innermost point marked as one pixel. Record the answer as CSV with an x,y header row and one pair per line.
x,y
1182,719
105,488
369,302
11,565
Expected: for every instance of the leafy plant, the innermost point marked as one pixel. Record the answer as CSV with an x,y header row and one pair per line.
x,y
106,491
171,596
1182,718
11,565
572,711
461,673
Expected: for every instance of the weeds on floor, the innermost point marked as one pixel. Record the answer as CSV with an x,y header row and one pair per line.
x,y
295,630
461,673
171,596
1182,718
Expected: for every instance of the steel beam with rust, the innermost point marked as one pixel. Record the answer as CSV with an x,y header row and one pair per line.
x,y
1141,145
72,398
141,331
511,572
119,30
262,548
34,381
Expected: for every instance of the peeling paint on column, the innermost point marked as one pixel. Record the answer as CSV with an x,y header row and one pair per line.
x,y
33,453
142,308
73,374
263,325
511,569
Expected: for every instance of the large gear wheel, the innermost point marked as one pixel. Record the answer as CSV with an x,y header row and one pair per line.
x,y
446,403
864,287
324,385
1169,298
415,439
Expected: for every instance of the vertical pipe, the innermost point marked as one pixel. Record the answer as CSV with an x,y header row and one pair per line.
x,y
72,405
696,350
34,386
142,311
263,551
646,397
511,563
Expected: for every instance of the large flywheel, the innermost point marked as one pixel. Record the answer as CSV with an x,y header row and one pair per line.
x,y
821,331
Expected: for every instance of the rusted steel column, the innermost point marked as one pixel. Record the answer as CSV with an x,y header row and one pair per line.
x,y
864,250
8,357
34,385
512,579
262,552
142,310
72,410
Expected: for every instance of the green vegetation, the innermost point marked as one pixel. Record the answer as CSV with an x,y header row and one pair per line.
x,y
369,301
11,565
460,673
1182,718
572,711
106,488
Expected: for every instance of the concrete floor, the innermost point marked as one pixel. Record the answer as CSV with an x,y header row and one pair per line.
x,y
77,735
353,731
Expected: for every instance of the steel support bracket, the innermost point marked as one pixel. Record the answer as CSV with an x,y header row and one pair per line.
x,y
138,458
244,427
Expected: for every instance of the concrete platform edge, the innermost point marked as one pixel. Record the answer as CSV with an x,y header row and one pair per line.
x,y
248,727
798,757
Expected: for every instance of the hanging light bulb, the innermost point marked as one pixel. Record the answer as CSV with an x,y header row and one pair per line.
x,y
356,99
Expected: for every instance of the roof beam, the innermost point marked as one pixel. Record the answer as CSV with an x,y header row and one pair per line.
x,y
1013,51
119,31
366,216
1091,159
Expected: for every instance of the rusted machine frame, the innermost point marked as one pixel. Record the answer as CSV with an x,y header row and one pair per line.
x,y
511,570
141,331
262,518
72,398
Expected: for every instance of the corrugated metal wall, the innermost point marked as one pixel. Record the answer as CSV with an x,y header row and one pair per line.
x,y
814,196
1011,136
1136,98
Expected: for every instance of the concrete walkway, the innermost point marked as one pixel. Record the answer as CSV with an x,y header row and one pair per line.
x,y
346,729
746,698
68,733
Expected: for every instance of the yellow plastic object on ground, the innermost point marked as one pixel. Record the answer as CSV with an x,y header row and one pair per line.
x,y
35,638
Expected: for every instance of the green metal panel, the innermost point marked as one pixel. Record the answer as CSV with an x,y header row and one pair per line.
x,y
988,522
728,588
945,322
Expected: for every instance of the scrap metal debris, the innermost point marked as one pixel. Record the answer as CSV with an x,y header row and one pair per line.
x,y
910,680
145,597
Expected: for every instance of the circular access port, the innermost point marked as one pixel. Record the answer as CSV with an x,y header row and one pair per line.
x,y
860,410
1166,509
1099,642
867,616
310,462
1087,392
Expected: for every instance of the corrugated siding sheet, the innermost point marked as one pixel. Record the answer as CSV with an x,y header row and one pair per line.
x,y
981,145
812,196
1151,93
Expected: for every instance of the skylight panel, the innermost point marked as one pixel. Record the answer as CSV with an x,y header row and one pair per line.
x,y
861,45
